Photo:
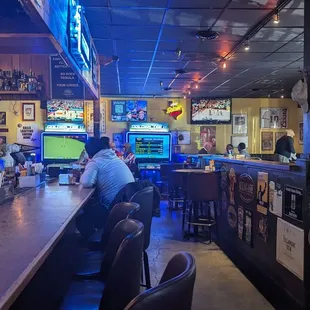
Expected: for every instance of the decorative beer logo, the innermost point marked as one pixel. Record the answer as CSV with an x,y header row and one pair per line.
x,y
246,188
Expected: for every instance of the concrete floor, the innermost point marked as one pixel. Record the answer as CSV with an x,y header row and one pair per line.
x,y
219,284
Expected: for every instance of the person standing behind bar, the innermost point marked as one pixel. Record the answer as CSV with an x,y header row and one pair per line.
x,y
207,147
285,147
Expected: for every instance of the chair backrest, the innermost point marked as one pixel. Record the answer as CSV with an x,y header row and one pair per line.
x,y
175,290
120,211
144,198
126,192
203,186
165,170
121,266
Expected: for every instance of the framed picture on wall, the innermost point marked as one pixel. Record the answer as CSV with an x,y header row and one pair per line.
x,y
274,118
301,133
235,140
28,112
267,141
240,124
2,118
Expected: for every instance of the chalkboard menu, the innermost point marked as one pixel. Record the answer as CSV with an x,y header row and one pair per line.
x,y
65,83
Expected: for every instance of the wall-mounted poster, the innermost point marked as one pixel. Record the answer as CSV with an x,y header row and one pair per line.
x,y
262,229
181,137
89,117
240,124
240,222
301,133
102,117
275,198
293,202
208,134
248,227
274,118
246,188
235,140
267,141
232,184
262,192
28,112
232,217
27,134
290,247
279,135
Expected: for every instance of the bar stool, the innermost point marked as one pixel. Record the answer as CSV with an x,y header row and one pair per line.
x,y
165,170
176,195
202,188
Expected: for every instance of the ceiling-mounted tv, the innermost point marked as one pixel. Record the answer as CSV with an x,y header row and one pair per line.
x,y
211,111
129,111
65,110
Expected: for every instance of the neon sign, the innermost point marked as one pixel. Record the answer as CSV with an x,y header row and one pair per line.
x,y
174,110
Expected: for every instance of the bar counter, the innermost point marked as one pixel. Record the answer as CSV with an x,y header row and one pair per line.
x,y
30,227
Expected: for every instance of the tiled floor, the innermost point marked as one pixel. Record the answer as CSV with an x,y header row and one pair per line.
x,y
219,284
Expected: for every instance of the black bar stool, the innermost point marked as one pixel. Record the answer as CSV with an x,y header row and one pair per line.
x,y
202,189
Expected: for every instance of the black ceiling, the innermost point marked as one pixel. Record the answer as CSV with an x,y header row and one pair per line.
x,y
146,34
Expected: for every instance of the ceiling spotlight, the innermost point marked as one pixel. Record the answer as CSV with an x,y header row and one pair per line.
x,y
189,91
247,45
276,18
184,96
161,83
282,97
196,86
224,65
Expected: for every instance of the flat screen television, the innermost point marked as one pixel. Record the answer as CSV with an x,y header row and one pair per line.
x,y
129,111
211,111
65,110
150,147
62,147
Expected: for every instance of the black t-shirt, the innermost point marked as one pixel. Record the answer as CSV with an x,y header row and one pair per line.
x,y
203,151
285,146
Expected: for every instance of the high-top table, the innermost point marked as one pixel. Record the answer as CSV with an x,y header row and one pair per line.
x,y
30,227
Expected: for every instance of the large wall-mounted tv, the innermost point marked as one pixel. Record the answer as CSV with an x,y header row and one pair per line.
x,y
151,147
129,111
211,111
62,147
65,110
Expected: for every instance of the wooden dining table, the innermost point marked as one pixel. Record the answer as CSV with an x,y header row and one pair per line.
x,y
31,225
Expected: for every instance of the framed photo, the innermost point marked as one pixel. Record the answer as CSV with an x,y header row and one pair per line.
x,y
29,113
274,118
279,135
2,118
301,133
267,141
236,140
240,124
208,134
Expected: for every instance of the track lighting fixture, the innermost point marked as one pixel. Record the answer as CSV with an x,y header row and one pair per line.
x,y
276,18
247,45
224,65
161,84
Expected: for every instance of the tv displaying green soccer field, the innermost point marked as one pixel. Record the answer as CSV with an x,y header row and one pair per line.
x,y
62,147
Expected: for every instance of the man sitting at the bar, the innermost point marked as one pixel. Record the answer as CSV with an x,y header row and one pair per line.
x,y
242,150
109,175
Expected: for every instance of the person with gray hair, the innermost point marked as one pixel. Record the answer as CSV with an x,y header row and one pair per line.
x,y
285,151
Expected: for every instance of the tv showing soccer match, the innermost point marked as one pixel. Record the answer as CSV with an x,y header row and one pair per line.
x,y
62,147
129,111
65,110
211,111
150,146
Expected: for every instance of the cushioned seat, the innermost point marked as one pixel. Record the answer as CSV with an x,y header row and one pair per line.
x,y
84,295
119,274
90,262
93,242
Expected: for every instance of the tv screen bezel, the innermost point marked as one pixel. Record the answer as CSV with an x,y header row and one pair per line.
x,y
61,160
214,122
65,121
128,121
154,160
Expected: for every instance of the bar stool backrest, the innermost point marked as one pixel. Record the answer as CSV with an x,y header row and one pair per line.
x,y
121,266
145,198
203,186
119,212
175,290
165,170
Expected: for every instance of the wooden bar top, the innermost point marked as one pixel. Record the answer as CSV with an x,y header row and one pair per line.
x,y
30,227
192,171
